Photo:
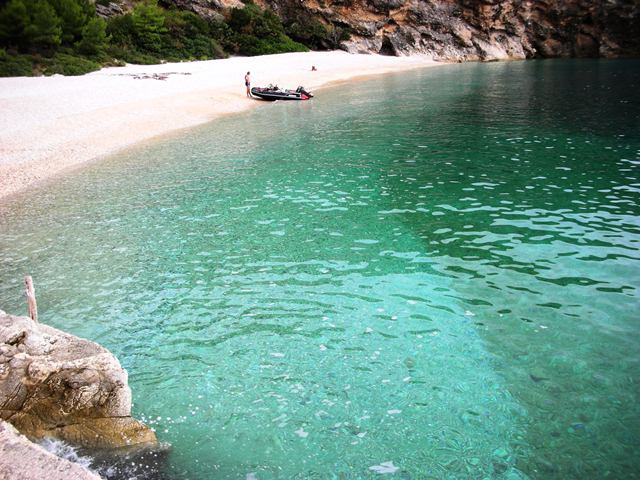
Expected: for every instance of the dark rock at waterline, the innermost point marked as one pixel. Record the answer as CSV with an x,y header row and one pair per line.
x,y
53,384
141,463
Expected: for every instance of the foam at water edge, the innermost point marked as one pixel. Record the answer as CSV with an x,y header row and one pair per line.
x,y
66,452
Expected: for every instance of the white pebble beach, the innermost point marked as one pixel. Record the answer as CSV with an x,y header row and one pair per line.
x,y
50,125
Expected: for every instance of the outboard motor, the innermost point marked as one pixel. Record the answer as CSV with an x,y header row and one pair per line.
x,y
303,92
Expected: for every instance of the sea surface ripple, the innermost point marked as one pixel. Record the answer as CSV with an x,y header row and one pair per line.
x,y
433,274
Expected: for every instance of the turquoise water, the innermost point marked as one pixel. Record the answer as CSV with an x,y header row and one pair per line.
x,y
438,269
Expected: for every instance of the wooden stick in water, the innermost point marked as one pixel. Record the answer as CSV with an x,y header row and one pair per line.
x,y
32,306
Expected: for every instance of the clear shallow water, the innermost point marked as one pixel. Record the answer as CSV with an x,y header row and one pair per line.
x,y
443,275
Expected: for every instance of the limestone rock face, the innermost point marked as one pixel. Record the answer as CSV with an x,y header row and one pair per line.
x,y
20,459
456,30
53,384
479,29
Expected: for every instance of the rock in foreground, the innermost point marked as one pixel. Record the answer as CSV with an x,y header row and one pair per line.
x,y
53,384
20,459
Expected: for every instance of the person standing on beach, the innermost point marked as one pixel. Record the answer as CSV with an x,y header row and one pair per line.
x,y
247,83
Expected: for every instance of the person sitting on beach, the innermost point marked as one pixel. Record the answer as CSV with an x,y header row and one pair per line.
x,y
313,68
247,83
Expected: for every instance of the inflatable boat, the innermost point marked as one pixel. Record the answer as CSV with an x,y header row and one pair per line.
x,y
273,92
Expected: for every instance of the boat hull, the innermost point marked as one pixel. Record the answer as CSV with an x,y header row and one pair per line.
x,y
272,94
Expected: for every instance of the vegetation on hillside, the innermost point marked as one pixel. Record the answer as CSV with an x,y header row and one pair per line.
x,y
310,32
67,37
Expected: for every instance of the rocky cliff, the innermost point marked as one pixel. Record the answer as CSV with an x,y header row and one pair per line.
x,y
53,384
479,29
462,30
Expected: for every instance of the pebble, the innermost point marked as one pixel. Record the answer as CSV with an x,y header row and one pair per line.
x,y
501,453
500,467
546,465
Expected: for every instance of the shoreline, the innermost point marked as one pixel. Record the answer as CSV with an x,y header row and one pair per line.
x,y
52,125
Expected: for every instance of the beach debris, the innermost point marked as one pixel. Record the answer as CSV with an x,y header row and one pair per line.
x,y
30,292
385,467
301,433
152,76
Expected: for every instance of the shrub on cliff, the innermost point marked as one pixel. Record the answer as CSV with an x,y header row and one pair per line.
x,y
30,25
67,64
148,26
43,25
73,15
189,36
310,32
14,65
34,32
14,18
50,33
253,31
44,31
151,34
94,38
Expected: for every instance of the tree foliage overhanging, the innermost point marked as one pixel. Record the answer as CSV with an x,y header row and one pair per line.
x,y
67,37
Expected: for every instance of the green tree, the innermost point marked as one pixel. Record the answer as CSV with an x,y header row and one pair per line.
x,y
268,25
14,18
72,18
94,37
148,22
43,31
188,35
15,65
258,32
121,30
240,20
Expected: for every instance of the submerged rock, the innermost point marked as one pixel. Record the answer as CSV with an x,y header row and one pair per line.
x,y
53,384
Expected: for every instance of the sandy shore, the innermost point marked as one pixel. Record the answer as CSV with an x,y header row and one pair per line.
x,y
51,124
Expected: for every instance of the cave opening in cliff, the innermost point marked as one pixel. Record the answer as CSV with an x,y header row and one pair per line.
x,y
387,48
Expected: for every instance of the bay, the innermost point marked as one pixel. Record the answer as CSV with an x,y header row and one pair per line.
x,y
431,274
